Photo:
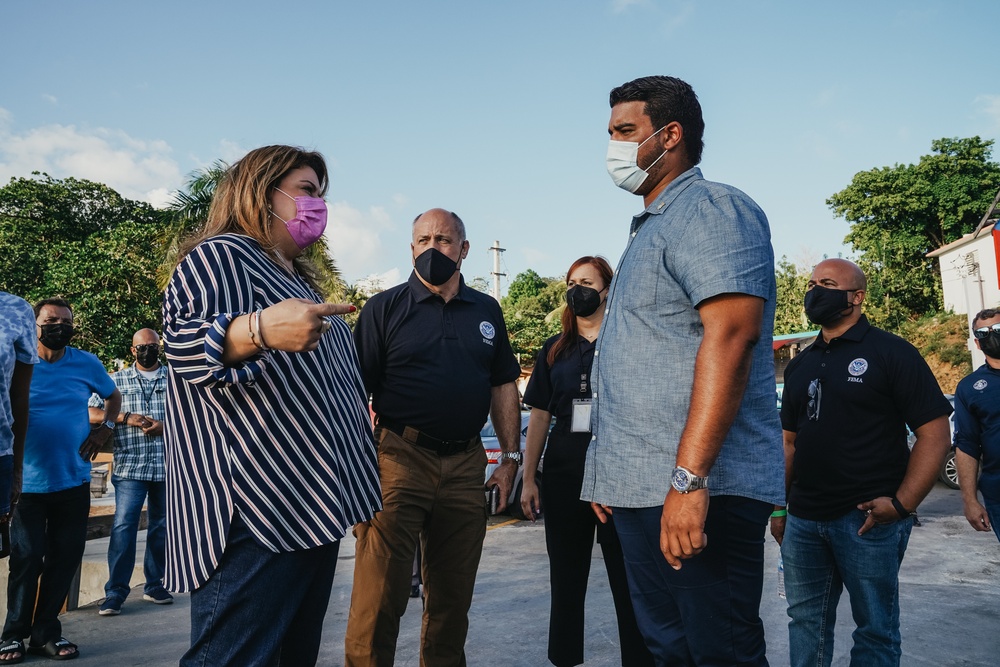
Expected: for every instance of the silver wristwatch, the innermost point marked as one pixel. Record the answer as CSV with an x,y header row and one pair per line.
x,y
685,481
516,457
108,424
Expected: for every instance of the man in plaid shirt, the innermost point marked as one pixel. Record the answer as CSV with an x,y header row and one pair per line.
x,y
138,474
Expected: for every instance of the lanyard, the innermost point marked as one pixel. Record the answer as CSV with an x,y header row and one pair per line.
x,y
584,373
147,396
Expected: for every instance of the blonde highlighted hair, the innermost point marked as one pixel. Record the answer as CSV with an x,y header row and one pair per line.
x,y
242,200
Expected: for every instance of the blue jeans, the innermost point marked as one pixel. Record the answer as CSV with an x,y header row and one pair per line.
x,y
821,558
708,612
47,534
130,494
260,608
6,481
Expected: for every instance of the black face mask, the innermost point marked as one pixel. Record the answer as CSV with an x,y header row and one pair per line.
x,y
435,267
55,336
583,301
147,357
990,346
824,306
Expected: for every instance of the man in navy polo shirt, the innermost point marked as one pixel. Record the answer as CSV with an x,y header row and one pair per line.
x,y
436,359
853,483
977,428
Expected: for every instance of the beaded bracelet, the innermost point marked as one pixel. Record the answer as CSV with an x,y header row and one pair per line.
x,y
779,513
125,418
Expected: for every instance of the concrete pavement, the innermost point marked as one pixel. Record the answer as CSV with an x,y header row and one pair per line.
x,y
949,600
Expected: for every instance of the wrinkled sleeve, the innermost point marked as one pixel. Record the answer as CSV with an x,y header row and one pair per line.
x,y
968,430
505,367
368,340
26,345
207,291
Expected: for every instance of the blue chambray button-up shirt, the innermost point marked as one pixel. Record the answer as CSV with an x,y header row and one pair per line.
x,y
697,240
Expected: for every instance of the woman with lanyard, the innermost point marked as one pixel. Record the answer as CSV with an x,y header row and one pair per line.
x,y
560,388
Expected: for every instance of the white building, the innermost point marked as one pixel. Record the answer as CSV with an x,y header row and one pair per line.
x,y
969,277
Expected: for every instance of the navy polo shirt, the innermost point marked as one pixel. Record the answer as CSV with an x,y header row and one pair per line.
x,y
977,425
430,364
872,384
553,388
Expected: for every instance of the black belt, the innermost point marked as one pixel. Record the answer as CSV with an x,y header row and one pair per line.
x,y
425,441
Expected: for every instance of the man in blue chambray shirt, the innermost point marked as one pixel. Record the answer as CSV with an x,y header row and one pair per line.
x,y
684,389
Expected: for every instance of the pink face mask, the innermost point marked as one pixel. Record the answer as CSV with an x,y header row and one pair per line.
x,y
309,221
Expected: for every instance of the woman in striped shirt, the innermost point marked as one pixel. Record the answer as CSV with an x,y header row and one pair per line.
x,y
270,456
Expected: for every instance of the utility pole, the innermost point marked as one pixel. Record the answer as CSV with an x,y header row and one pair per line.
x,y
496,250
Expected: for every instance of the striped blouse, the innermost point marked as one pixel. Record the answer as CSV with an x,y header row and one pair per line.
x,y
283,438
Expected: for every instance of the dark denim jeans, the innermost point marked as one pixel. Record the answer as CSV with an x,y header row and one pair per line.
x,y
708,612
993,511
48,534
260,608
130,494
821,558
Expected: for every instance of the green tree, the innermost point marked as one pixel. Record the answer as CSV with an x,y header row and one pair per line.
x,y
531,312
789,315
899,214
84,242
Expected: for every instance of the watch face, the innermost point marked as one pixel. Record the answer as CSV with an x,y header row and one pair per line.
x,y
680,479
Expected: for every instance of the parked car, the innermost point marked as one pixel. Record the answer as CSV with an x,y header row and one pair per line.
x,y
492,447
948,474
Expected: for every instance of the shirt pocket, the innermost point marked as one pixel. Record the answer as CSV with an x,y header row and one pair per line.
x,y
638,279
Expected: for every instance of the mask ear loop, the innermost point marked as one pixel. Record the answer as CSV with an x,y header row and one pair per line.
x,y
271,210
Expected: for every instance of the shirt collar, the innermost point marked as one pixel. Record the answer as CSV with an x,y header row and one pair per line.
x,y
668,195
855,334
420,292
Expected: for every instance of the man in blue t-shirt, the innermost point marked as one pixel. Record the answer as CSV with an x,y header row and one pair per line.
x,y
977,428
49,526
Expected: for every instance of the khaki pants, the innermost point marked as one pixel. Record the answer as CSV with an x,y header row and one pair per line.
x,y
438,500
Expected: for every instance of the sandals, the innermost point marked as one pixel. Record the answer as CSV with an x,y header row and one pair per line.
x,y
51,648
9,647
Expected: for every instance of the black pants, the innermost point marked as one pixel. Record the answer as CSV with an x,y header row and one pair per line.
x,y
48,534
570,525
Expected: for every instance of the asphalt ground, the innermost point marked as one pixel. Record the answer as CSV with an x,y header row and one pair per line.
x,y
950,602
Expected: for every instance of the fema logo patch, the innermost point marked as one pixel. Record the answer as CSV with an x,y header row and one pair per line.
x,y
488,330
980,385
857,367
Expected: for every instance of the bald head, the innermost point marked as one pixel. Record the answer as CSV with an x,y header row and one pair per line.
x,y
838,273
145,337
439,218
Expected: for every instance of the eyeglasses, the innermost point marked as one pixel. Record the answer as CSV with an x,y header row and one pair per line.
x,y
815,395
150,346
983,332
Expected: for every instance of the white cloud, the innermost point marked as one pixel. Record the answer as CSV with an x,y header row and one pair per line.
x,y
51,99
378,282
354,238
136,168
989,105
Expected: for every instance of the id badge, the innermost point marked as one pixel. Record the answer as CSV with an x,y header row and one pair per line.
x,y
580,423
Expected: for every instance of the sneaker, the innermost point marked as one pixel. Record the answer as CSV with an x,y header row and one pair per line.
x,y
159,596
111,607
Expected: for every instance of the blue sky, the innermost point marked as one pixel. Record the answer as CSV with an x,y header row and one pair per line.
x,y
496,110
